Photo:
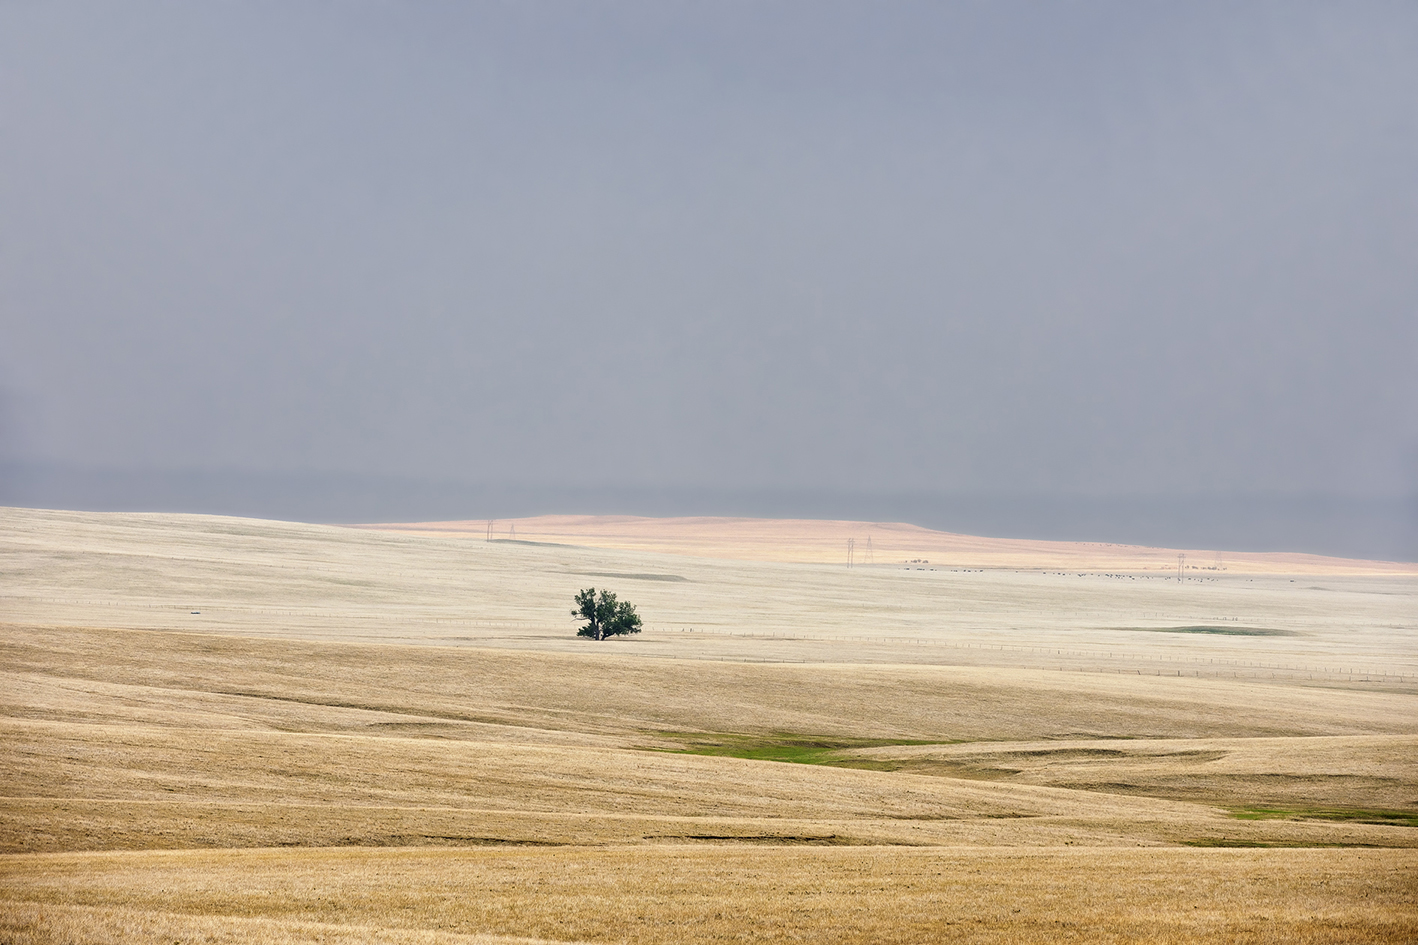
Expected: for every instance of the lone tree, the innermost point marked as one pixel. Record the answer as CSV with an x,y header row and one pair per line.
x,y
605,616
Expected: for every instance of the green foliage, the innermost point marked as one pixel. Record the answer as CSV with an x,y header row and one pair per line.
x,y
604,615
793,748
1229,842
1359,815
1223,631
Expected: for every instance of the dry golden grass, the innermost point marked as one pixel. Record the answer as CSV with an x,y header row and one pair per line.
x,y
25,923
1370,771
981,743
892,543
127,739
707,894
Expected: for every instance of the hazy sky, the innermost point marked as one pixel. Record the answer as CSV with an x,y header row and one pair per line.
x,y
1098,248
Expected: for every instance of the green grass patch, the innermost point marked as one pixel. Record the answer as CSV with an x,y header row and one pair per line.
x,y
1355,815
1281,844
534,544
676,578
789,747
1228,631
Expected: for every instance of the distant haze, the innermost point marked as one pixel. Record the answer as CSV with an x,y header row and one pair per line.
x,y
1107,271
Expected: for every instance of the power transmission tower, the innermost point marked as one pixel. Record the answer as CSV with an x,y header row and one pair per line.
x,y
871,558
1181,560
851,549
512,532
489,529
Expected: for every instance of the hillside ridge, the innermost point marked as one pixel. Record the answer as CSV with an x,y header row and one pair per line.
x,y
879,544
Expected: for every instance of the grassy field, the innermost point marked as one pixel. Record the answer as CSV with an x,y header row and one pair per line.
x,y
677,894
237,731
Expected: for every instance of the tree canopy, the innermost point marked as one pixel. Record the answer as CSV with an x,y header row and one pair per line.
x,y
604,615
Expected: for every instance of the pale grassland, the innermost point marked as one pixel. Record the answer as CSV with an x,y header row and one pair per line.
x,y
885,543
317,582
981,743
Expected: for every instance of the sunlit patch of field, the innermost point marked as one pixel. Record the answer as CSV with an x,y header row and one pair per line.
x,y
372,737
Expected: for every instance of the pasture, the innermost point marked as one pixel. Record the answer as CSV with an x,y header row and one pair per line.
x,y
234,730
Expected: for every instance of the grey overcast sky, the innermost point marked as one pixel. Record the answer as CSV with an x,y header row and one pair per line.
x,y
1055,249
